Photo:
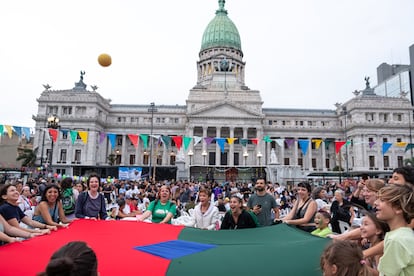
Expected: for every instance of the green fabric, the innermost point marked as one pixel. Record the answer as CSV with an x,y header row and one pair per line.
x,y
272,250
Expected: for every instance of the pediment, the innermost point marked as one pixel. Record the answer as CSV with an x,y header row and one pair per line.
x,y
225,110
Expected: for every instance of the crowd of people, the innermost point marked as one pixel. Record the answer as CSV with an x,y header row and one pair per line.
x,y
378,213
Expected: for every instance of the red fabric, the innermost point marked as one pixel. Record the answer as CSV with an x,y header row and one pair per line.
x,y
338,146
54,134
113,242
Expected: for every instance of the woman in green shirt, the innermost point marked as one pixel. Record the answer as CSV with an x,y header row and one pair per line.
x,y
161,209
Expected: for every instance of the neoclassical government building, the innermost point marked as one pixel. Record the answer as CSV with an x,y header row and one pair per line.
x,y
223,132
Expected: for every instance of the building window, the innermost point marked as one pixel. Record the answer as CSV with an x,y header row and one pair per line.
x,y
385,139
159,159
119,140
132,159
80,110
236,159
211,158
370,139
399,140
300,162
77,155
172,159
327,163
400,161
270,122
52,109
66,110
145,159
386,161
48,155
286,161
369,116
283,123
314,163
64,135
63,155
371,161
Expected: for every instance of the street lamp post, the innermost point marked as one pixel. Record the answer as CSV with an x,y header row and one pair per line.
x,y
52,122
204,154
190,155
245,155
345,113
152,109
259,156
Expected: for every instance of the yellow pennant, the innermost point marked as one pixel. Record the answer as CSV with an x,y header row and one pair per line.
x,y
84,136
230,140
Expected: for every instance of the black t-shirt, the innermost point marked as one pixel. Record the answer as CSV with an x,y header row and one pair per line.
x,y
9,211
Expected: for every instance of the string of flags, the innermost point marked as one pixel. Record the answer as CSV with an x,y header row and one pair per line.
x,y
185,141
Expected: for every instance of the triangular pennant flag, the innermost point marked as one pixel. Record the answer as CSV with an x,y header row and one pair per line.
x,y
317,142
9,130
1,130
208,140
255,141
385,147
64,131
401,144
220,142
73,136
304,145
112,139
26,132
338,146
327,143
144,138
178,140
187,141
84,136
134,139
54,134
371,144
197,140
348,142
166,140
18,131
409,146
102,136
230,141
280,142
267,139
289,142
244,142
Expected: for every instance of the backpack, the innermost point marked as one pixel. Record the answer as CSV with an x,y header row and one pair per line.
x,y
68,201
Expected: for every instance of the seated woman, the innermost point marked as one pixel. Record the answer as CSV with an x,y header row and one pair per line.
x,y
9,234
205,214
91,204
161,209
237,217
9,209
119,212
341,210
50,210
303,212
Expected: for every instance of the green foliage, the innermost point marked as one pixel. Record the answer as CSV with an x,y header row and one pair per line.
x,y
28,157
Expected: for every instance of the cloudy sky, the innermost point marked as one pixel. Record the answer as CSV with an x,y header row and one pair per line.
x,y
298,53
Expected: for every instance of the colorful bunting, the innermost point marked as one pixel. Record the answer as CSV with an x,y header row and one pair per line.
x,y
187,141
289,142
197,140
102,136
317,142
385,147
220,142
18,131
338,146
244,142
280,142
327,143
144,138
166,140
54,134
74,135
84,136
178,140
230,141
9,130
371,144
409,146
134,139
26,132
208,140
401,144
267,139
255,141
304,145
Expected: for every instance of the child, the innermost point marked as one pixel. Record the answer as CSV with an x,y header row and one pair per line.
x,y
372,233
395,206
343,258
322,219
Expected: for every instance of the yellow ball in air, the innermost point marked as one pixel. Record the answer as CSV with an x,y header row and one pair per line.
x,y
104,60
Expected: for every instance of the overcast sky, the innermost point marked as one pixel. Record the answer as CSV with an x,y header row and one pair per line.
x,y
298,53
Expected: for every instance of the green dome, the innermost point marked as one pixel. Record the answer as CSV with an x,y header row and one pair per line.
x,y
221,31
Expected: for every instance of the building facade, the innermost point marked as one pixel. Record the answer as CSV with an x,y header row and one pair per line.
x,y
226,134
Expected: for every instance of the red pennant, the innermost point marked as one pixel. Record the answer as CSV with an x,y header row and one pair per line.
x,y
255,141
178,140
54,134
338,146
134,139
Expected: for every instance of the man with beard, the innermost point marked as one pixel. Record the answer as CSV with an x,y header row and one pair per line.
x,y
261,203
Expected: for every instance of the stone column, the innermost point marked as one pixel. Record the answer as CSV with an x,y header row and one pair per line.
x,y
218,151
231,148
323,154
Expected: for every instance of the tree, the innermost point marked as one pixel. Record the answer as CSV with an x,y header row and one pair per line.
x,y
28,157
111,159
409,162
